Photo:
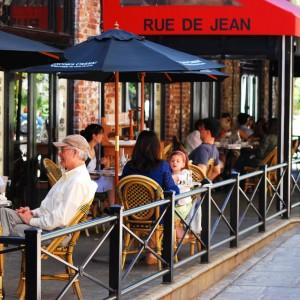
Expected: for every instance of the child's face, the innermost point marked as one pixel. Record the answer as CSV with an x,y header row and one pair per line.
x,y
177,163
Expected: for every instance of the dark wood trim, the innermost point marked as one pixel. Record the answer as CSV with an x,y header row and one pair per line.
x,y
60,40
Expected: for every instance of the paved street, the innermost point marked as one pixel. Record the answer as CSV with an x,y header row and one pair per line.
x,y
272,274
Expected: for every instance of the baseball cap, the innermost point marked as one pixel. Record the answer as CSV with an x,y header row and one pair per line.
x,y
75,141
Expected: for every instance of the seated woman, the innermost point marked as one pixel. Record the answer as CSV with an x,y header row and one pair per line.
x,y
146,161
252,157
93,133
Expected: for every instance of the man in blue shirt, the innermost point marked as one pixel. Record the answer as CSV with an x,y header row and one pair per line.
x,y
207,150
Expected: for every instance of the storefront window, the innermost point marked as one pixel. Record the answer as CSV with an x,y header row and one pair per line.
x,y
62,108
39,14
178,2
204,100
249,95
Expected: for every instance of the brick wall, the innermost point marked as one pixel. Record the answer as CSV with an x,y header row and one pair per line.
x,y
176,125
86,94
230,88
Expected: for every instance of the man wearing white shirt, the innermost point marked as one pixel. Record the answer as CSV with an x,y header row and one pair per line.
x,y
62,202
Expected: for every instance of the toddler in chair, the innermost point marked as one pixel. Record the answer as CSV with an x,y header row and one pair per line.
x,y
179,165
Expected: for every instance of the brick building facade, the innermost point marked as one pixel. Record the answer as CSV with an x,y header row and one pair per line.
x,y
177,110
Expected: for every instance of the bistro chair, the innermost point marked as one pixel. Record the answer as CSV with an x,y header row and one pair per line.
x,y
53,171
61,247
269,160
197,173
134,191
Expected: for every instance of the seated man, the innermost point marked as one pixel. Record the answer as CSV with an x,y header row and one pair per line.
x,y
207,150
71,191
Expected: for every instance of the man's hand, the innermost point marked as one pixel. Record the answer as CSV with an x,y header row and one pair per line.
x,y
22,209
26,216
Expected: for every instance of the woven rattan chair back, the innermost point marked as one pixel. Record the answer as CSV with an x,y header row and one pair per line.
x,y
197,173
63,248
138,190
134,191
53,171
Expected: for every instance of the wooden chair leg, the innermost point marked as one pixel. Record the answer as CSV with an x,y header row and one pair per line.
x,y
199,246
158,239
77,290
126,248
21,285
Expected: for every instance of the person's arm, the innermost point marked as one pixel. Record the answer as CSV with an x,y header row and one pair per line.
x,y
215,172
73,197
168,182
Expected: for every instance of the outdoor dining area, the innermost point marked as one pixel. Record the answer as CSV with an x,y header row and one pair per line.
x,y
159,206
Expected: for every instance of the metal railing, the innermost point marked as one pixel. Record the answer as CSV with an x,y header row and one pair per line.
x,y
224,206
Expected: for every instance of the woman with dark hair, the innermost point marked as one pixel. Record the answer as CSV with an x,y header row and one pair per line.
x,y
93,133
146,161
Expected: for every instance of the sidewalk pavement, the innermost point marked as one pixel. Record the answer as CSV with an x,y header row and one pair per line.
x,y
272,274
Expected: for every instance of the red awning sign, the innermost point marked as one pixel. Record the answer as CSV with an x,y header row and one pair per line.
x,y
243,17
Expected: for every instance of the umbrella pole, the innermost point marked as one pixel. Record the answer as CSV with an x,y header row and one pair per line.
x,y
142,120
116,128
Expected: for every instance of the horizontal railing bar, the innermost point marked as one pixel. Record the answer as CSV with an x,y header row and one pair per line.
x,y
138,209
272,168
77,227
276,215
296,160
222,183
15,240
190,193
216,245
189,259
14,249
295,204
242,232
250,175
145,280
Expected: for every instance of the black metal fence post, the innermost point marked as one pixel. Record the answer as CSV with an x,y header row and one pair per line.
x,y
206,222
262,201
115,252
235,212
168,237
33,263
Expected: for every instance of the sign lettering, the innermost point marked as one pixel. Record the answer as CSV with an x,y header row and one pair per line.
x,y
197,24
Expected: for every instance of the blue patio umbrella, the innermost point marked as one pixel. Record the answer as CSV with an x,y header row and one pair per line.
x,y
160,77
19,52
117,51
